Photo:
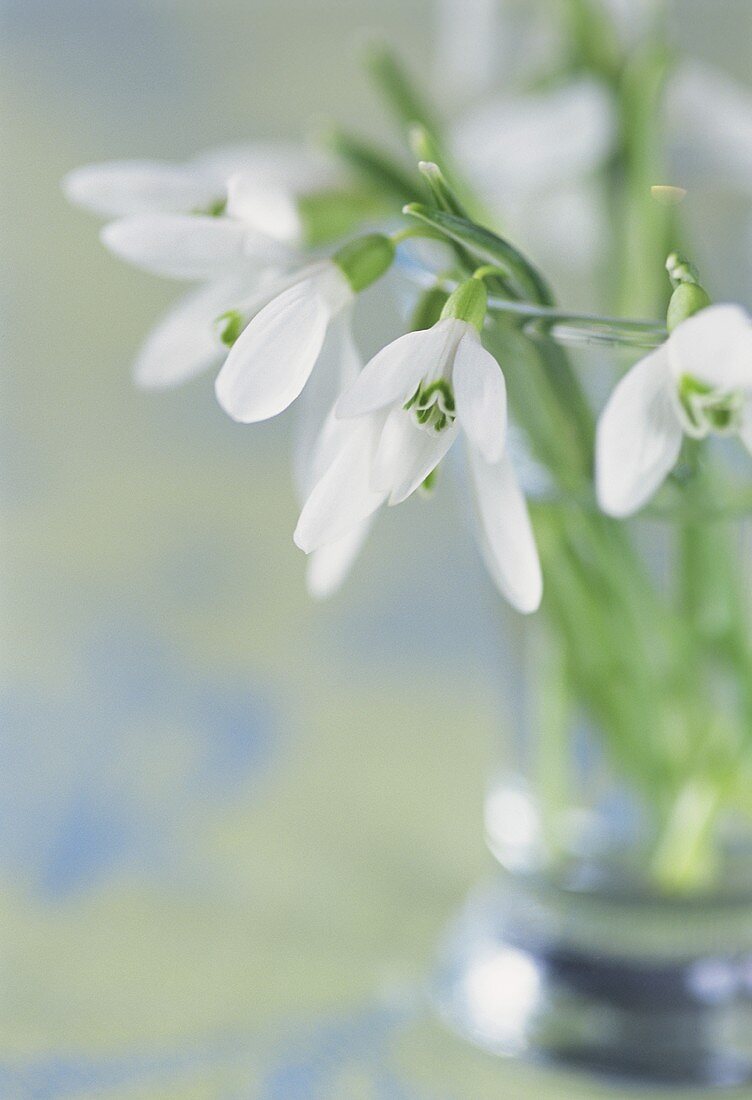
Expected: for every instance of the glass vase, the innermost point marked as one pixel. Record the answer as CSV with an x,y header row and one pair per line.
x,y
616,936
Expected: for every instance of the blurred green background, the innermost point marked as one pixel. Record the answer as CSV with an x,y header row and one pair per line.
x,y
232,822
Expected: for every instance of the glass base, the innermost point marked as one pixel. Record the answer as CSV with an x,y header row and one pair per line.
x,y
526,977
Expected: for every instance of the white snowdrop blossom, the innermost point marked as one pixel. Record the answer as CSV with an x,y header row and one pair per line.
x,y
400,417
273,357
117,189
223,212
203,220
698,383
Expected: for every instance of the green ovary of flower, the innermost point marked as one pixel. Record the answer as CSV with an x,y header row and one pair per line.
x,y
708,410
432,405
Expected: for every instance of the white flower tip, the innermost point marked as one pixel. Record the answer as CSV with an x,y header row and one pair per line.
x,y
302,537
528,602
225,390
612,504
75,186
124,237
265,208
316,590
145,379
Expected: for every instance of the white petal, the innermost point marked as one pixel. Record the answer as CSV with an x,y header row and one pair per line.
x,y
639,436
184,342
537,141
407,454
329,565
178,246
507,542
714,346
265,207
344,497
317,430
480,394
119,188
332,285
272,359
396,370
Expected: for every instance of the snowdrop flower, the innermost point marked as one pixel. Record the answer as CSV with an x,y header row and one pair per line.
x,y
401,416
224,211
116,189
157,228
698,383
274,355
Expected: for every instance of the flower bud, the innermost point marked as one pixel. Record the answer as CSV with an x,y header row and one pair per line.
x,y
365,260
680,270
469,302
688,298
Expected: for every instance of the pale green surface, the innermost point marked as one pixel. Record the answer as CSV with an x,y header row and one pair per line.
x,y
231,923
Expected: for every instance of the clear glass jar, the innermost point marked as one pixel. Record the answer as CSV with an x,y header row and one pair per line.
x,y
617,934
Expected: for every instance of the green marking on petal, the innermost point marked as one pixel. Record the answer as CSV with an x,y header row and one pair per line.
x,y
429,483
433,405
229,326
215,209
708,410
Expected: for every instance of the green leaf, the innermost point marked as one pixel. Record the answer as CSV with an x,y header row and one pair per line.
x,y
442,193
405,101
373,166
524,278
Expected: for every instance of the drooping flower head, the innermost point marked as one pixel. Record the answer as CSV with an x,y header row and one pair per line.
x,y
205,219
273,356
698,383
403,412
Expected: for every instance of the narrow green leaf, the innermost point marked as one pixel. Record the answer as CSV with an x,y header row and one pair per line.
x,y
442,193
375,167
405,101
490,248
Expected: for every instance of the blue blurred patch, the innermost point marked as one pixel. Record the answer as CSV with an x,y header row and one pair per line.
x,y
319,1063
124,769
90,837
315,1060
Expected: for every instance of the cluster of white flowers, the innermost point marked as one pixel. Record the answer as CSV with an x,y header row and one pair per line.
x,y
267,316
273,318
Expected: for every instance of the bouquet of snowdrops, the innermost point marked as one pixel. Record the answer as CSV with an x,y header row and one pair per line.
x,y
282,240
